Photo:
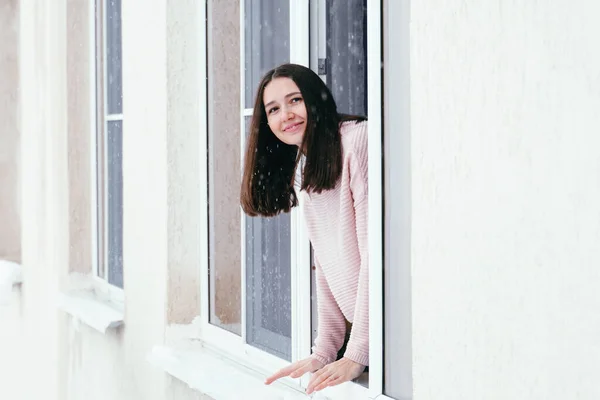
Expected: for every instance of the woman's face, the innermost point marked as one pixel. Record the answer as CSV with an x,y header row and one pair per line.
x,y
286,111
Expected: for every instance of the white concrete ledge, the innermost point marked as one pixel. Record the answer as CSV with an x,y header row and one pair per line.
x,y
11,274
215,376
93,310
221,378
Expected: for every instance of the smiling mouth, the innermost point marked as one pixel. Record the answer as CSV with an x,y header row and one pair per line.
x,y
292,127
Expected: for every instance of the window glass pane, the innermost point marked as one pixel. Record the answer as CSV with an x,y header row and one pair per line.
x,y
268,241
268,284
267,37
114,75
224,137
114,154
347,54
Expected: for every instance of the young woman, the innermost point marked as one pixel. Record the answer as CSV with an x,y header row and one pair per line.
x,y
296,132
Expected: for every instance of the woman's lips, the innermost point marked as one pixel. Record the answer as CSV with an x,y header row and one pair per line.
x,y
292,127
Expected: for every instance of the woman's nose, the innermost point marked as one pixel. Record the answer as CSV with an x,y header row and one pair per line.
x,y
287,115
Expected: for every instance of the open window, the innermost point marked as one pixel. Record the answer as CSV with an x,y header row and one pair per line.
x,y
257,297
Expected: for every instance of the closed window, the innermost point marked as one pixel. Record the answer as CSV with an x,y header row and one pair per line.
x,y
109,142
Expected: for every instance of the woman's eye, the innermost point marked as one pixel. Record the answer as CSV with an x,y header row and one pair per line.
x,y
272,110
296,99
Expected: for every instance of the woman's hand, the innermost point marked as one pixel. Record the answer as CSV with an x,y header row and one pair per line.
x,y
341,371
296,370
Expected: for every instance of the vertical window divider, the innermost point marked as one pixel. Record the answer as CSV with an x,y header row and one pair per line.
x,y
299,32
318,32
203,164
104,146
374,99
242,146
301,302
301,273
94,120
100,92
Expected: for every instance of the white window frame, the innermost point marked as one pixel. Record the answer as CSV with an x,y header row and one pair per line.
x,y
376,292
300,245
231,345
398,221
98,126
220,340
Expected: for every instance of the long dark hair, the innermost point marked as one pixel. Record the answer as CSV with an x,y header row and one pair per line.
x,y
269,164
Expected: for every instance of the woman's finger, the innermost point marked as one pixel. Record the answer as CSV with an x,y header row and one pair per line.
x,y
308,367
318,378
282,373
295,370
327,382
336,381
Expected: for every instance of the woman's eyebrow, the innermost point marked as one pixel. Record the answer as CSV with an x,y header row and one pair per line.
x,y
286,96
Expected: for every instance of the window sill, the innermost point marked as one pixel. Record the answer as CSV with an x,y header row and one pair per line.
x,y
92,308
213,374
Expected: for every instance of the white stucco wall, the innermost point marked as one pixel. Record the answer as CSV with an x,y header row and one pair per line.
x,y
10,224
12,362
158,263
11,325
45,353
506,186
505,222
44,202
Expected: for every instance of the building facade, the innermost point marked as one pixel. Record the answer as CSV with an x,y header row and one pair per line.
x,y
121,137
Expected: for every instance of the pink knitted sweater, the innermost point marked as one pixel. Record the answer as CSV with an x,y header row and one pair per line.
x,y
337,227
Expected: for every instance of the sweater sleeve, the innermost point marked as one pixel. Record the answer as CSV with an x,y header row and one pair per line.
x,y
358,345
331,324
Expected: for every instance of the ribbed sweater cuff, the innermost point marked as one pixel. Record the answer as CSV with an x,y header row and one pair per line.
x,y
357,356
322,358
